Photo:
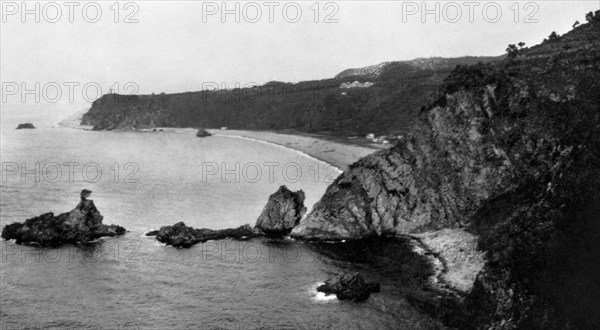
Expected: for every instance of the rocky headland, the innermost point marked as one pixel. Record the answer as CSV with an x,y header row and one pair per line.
x,y
82,225
509,153
388,106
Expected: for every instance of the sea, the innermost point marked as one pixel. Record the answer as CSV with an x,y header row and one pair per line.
x,y
145,180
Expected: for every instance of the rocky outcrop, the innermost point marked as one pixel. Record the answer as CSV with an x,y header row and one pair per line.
x,y
203,133
282,212
181,236
26,126
349,287
509,152
82,225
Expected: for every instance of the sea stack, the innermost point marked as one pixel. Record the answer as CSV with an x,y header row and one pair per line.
x,y
82,225
282,213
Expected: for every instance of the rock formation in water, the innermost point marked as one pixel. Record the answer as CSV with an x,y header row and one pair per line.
x,y
82,225
349,287
397,93
181,236
25,126
510,152
282,213
203,133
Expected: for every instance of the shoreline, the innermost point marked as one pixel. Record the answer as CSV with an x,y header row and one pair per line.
x,y
454,258
451,253
337,152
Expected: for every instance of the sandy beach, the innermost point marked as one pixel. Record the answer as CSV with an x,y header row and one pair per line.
x,y
337,152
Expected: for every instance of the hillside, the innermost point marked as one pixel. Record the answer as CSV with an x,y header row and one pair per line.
x,y
389,106
510,152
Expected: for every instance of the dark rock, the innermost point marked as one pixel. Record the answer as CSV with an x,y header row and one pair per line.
x,y
203,133
282,212
349,287
26,126
82,225
181,236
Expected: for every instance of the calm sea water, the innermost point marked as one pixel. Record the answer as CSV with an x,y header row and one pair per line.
x,y
148,180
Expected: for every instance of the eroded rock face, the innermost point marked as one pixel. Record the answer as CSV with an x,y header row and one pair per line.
x,y
506,151
82,225
182,236
349,287
282,212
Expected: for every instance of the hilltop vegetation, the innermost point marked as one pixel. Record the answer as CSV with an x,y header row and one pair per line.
x,y
389,106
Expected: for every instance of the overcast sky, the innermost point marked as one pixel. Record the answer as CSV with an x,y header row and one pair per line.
x,y
175,46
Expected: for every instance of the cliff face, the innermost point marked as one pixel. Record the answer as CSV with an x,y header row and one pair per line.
x,y
389,106
508,151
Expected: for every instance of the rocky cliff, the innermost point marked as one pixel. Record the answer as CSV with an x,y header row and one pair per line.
x,y
388,106
508,151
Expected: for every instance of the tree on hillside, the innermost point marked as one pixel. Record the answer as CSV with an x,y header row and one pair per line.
x,y
553,36
589,17
575,24
512,51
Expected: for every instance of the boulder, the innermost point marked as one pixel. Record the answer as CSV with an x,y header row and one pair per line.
x,y
203,133
282,212
82,225
349,287
26,126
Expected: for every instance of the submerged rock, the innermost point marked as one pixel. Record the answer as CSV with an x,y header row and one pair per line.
x,y
26,126
82,225
182,236
203,133
282,213
349,287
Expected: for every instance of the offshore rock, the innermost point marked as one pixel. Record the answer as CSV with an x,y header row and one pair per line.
x,y
203,133
181,236
349,287
25,126
282,212
82,225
